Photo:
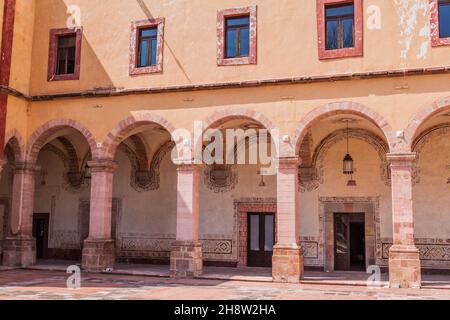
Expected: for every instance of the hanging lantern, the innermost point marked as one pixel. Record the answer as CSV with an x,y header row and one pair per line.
x,y
348,167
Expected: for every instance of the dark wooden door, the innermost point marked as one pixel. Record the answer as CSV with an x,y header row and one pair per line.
x,y
341,242
349,241
261,239
40,233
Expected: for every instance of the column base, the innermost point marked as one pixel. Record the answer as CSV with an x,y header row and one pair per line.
x,y
186,259
98,255
19,252
404,267
287,264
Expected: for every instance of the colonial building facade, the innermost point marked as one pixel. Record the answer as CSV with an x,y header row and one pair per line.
x,y
93,91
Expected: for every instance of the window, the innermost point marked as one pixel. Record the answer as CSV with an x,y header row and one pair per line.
x,y
440,22
444,18
237,36
340,28
146,48
64,54
148,44
340,23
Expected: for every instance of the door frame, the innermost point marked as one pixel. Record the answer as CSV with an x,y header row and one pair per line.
x,y
46,218
328,206
260,214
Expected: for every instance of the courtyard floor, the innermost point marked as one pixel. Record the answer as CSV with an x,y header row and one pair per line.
x,y
51,285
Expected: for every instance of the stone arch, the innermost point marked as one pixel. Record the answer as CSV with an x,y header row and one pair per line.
x,y
222,116
14,139
39,138
336,108
120,132
428,112
419,144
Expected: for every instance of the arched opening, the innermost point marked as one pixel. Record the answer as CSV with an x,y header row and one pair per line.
x,y
59,150
144,206
431,185
345,217
238,207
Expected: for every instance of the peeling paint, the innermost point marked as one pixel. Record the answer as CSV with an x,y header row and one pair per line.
x,y
408,12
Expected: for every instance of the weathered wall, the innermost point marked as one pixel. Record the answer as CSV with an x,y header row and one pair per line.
x,y
190,51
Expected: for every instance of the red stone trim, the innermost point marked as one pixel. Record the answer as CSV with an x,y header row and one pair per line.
x,y
136,26
39,138
7,40
222,116
412,132
6,59
436,40
221,26
53,54
243,210
344,107
357,51
122,130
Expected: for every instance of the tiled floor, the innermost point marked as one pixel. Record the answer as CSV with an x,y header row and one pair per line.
x,y
38,284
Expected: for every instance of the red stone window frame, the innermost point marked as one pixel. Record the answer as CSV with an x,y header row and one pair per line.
x,y
53,54
222,15
357,50
136,26
436,40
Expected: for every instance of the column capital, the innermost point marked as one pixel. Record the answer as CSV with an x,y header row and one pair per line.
x,y
402,159
26,167
289,162
102,165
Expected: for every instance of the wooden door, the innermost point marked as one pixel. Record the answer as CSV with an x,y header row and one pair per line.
x,y
261,239
40,233
341,242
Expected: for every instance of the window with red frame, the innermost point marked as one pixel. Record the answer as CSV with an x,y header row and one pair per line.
x,y
64,56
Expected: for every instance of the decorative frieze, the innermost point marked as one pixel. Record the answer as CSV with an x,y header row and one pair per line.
x,y
160,247
434,253
221,178
143,179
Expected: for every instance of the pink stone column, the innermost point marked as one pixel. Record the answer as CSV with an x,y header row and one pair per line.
x,y
98,249
186,258
20,248
404,257
288,265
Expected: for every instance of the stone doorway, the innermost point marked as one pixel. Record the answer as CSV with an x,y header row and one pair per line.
x,y
368,207
243,208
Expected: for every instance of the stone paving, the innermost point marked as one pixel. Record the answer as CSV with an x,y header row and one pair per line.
x,y
51,285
